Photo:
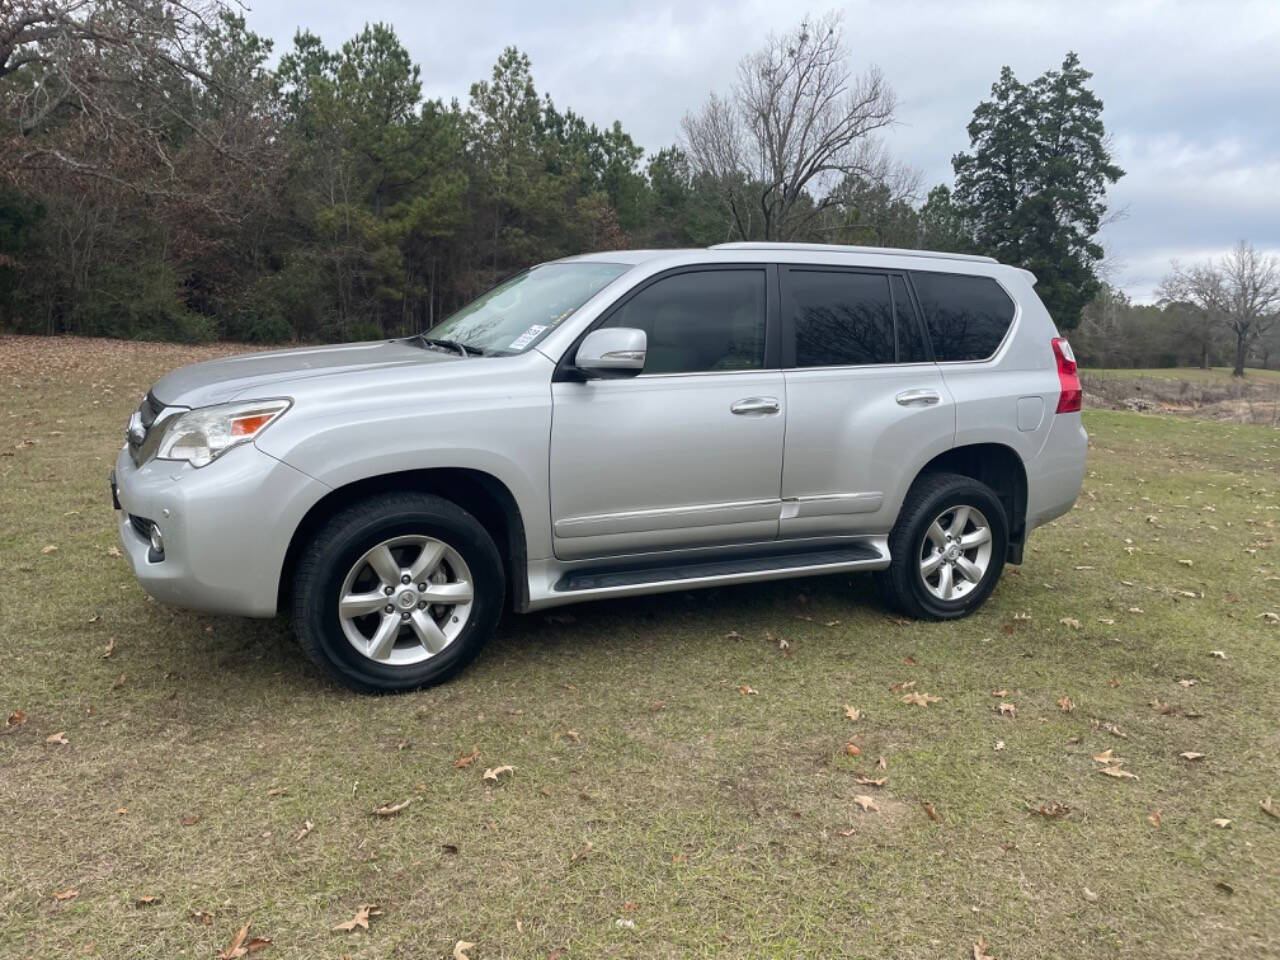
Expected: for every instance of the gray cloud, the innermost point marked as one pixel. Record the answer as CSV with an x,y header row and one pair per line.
x,y
1190,88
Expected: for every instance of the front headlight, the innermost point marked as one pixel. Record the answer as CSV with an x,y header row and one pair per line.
x,y
201,436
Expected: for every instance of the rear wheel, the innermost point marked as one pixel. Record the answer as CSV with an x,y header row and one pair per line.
x,y
948,548
398,592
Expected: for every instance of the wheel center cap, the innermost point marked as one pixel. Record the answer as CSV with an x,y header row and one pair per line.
x,y
407,599
953,552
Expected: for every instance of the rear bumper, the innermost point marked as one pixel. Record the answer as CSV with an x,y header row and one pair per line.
x,y
226,528
1056,476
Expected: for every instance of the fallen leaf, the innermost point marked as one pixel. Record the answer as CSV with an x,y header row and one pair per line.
x,y
899,687
118,682
391,809
868,781
235,949
1191,755
1186,563
1269,808
202,916
744,690
1222,823
361,920
831,623
625,923
980,950
1225,887
1218,654
882,763
1109,621
582,851
920,699
109,649
933,813
909,661
569,735
1090,895
190,820
1118,773
69,894
784,647
460,948
999,745
1002,693
1065,704
467,759
302,831
16,719
851,749
1105,757
1189,682
1115,731
853,713
865,802
49,549
1154,817
59,738
494,772
1071,622
733,635
145,901
1007,709
121,811
114,552
254,944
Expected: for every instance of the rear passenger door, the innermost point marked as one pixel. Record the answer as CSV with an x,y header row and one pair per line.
x,y
866,404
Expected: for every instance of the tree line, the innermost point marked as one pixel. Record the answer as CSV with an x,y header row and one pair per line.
x,y
159,178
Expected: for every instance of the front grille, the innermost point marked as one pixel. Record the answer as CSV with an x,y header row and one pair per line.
x,y
142,526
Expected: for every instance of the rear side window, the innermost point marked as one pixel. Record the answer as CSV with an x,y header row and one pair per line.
x,y
966,317
841,318
701,321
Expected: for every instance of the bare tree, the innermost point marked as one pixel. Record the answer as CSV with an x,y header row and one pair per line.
x,y
1243,289
797,123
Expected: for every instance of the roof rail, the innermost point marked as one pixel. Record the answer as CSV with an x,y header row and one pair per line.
x,y
842,248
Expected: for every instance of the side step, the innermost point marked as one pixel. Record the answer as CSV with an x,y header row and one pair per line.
x,y
757,566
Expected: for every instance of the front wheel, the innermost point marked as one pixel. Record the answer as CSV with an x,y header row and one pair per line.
x,y
397,592
948,548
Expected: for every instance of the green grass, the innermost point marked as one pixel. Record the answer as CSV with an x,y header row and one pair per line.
x,y
720,824
1214,375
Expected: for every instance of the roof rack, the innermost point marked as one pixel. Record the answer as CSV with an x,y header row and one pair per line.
x,y
843,248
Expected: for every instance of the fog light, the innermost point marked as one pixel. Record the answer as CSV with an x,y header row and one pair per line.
x,y
156,553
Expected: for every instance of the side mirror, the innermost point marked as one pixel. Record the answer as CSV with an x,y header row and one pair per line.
x,y
612,352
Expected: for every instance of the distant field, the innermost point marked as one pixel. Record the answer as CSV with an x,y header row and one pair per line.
x,y
682,786
1190,374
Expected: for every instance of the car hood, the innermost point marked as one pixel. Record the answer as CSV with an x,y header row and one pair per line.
x,y
255,375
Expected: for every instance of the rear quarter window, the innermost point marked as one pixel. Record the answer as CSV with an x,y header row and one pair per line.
x,y
966,317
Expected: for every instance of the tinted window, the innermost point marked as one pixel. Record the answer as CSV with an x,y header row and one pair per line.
x,y
841,319
712,320
966,317
911,347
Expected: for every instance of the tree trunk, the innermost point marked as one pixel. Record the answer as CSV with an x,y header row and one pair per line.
x,y
1204,356
1241,350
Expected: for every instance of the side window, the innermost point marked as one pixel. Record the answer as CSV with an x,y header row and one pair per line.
x,y
910,338
966,317
700,321
841,318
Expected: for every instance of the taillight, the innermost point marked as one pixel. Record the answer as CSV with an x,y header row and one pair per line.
x,y
1068,378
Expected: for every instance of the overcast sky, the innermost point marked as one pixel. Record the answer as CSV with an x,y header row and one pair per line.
x,y
1191,87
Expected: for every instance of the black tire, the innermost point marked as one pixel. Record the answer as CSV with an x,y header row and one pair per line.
x,y
902,584
337,546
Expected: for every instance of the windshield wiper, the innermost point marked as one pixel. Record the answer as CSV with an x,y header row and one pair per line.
x,y
454,345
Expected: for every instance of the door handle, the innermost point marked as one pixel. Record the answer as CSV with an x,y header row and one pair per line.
x,y
918,398
755,406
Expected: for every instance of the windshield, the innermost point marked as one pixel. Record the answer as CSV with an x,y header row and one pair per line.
x,y
513,315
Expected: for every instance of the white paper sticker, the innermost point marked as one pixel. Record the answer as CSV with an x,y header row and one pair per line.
x,y
526,338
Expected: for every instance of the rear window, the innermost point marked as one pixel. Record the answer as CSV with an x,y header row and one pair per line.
x,y
966,317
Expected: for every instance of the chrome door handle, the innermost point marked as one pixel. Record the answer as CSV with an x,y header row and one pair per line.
x,y
755,405
918,398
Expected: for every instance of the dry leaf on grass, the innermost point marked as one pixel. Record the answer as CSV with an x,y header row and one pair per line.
x,y
60,738
16,719
48,550
1154,817
191,820
851,749
278,792
1222,823
69,894
1108,758
1001,693
1191,755
746,690
582,851
361,920
1066,704
460,948
236,947
1071,622
1269,808
933,813
1218,654
391,809
1189,682
869,781
467,759
303,830
202,916
114,552
1007,709
904,685
1090,895
494,772
980,950
920,699
866,802
1118,773
853,713
146,901
109,649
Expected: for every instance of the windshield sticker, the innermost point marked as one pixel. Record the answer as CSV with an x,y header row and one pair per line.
x,y
526,338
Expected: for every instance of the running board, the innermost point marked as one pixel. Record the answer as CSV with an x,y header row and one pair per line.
x,y
616,580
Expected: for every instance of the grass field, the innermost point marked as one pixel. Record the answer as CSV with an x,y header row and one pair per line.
x,y
656,809
1218,375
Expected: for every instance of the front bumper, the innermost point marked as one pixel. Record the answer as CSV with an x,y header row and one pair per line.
x,y
226,527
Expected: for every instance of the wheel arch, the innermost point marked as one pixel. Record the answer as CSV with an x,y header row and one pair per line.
x,y
481,494
1000,468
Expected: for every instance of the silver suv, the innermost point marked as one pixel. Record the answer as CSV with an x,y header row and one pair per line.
x,y
609,425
